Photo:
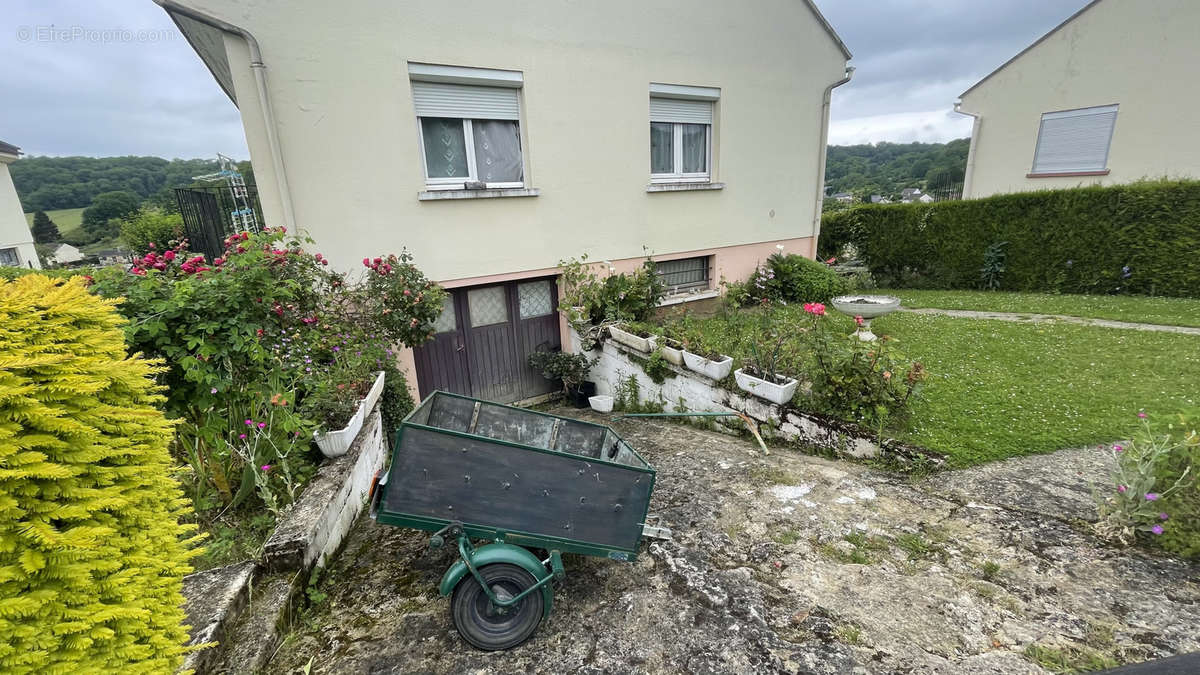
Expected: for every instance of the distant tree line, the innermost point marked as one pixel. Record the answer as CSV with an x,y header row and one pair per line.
x,y
51,183
887,168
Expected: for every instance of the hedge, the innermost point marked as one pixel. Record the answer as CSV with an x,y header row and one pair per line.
x,y
1136,238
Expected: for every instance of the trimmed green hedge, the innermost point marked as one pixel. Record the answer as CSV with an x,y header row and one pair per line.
x,y
1072,241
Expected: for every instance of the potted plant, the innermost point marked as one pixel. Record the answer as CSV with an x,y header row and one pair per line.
x,y
760,375
672,350
703,359
341,408
571,369
635,338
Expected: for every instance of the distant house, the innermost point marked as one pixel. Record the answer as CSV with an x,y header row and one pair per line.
x,y
880,199
925,198
495,140
65,254
1103,98
112,256
16,241
844,197
908,195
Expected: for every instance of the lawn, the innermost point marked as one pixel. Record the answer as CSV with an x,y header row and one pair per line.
x,y
1141,309
1000,389
65,219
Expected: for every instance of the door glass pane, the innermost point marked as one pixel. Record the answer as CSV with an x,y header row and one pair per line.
x,y
446,320
445,147
695,148
488,306
497,151
535,299
662,147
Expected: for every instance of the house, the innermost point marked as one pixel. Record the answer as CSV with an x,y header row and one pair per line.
x,y
65,254
16,241
844,197
113,256
925,198
494,145
1103,98
909,195
880,199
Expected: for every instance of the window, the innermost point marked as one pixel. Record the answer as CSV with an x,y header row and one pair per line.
x,y
680,139
1074,141
469,133
684,274
9,257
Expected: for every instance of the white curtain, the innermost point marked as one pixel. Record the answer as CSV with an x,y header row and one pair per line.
x,y
497,151
695,149
445,147
662,151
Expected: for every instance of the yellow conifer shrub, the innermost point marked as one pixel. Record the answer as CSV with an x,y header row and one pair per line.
x,y
92,553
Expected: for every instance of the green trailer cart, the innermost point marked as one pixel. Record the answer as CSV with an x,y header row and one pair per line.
x,y
512,490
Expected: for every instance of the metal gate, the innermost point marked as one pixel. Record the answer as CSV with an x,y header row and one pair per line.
x,y
212,213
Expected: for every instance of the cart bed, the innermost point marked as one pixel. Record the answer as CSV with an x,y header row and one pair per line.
x,y
536,479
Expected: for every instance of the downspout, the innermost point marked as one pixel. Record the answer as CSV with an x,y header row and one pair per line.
x,y
260,81
816,236
969,172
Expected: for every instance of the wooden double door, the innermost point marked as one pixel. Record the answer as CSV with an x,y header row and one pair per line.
x,y
484,338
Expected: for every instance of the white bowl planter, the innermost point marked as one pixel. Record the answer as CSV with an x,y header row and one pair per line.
x,y
717,370
673,355
642,344
337,443
765,389
601,403
868,307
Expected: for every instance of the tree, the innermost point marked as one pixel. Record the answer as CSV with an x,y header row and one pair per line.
x,y
44,229
151,226
107,207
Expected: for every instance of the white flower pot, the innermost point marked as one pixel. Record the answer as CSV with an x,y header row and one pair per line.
x,y
717,370
671,354
337,443
764,389
642,344
601,403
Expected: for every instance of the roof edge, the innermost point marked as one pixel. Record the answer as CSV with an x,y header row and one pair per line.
x,y
1035,43
812,7
172,12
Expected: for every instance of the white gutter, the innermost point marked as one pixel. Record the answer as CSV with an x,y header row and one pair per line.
x,y
821,155
260,81
969,173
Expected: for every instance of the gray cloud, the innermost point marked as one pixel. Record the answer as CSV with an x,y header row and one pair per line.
x,y
144,92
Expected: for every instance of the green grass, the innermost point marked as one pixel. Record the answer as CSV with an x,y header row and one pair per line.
x,y
1140,309
65,219
1000,389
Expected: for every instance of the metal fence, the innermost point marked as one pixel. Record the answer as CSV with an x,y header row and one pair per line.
x,y
211,213
945,191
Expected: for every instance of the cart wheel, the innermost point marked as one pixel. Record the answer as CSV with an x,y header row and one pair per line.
x,y
489,627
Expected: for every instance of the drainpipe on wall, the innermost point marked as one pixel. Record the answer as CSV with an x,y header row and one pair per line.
x,y
264,101
969,173
821,155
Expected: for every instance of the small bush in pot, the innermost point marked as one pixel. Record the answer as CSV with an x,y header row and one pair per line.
x,y
760,374
571,369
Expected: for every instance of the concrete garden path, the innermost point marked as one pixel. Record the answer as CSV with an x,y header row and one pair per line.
x,y
1023,317
792,564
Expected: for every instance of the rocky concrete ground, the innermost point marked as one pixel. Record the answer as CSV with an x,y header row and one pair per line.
x,y
791,564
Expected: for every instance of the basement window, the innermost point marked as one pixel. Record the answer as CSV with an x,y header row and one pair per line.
x,y
685,274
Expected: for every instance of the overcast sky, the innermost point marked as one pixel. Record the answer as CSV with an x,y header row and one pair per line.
x,y
86,88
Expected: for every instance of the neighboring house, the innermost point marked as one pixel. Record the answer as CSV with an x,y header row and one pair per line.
x,y
844,197
1106,97
65,254
908,195
493,141
112,256
925,198
880,199
16,241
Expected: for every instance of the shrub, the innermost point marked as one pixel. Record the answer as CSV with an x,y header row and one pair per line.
x,y
151,226
92,555
1155,490
628,296
571,369
1125,238
397,401
793,279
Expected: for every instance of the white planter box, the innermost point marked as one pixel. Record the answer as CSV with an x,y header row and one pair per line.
x,y
642,344
337,443
775,393
717,370
671,354
601,403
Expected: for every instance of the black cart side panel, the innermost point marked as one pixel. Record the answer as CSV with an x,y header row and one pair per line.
x,y
490,484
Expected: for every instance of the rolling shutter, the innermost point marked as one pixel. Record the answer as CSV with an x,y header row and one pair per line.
x,y
436,99
1075,140
680,110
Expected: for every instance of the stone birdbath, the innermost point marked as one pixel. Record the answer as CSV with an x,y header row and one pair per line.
x,y
868,307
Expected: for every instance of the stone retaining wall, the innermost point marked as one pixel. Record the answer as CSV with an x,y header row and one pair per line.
x,y
685,390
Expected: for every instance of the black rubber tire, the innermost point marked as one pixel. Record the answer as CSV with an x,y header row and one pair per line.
x,y
476,619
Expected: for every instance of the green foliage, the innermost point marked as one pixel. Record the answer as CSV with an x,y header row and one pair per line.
x,y
992,271
1154,493
1131,238
627,397
792,279
102,218
44,230
150,229
49,183
1132,308
571,369
628,296
91,548
1069,659
657,368
888,168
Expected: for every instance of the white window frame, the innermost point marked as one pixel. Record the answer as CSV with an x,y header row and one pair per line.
x,y
1112,109
677,176
459,183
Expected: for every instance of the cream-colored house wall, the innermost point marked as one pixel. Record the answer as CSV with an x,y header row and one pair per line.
x,y
340,94
1139,55
14,229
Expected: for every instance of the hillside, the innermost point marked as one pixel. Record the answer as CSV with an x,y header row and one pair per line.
x,y
888,168
53,183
